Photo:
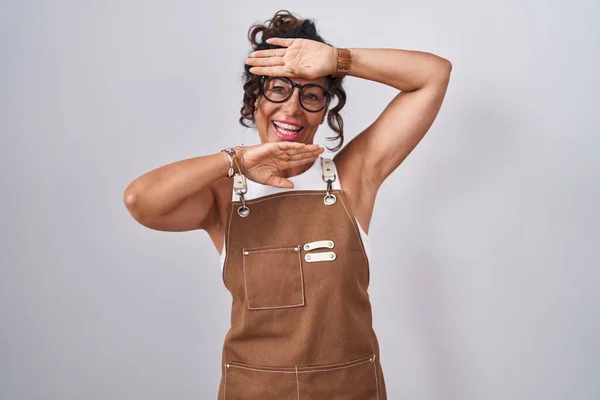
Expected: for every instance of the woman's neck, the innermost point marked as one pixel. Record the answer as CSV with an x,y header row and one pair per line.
x,y
290,172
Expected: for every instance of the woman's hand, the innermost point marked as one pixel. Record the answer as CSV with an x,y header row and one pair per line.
x,y
301,58
263,163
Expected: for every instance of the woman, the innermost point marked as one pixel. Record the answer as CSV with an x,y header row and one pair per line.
x,y
293,243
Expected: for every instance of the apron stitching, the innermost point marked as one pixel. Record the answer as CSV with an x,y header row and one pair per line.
x,y
297,384
376,382
245,286
333,369
301,372
225,383
274,307
301,276
316,192
227,248
352,222
262,250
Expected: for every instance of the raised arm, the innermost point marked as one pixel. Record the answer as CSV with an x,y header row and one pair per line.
x,y
422,79
181,196
176,196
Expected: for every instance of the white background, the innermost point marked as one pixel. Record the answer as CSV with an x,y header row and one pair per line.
x,y
484,277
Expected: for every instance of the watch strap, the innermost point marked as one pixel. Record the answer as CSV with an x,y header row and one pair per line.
x,y
344,60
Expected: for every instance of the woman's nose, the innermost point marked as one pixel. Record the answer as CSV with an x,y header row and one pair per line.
x,y
293,103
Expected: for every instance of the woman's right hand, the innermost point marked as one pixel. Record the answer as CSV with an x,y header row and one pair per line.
x,y
265,162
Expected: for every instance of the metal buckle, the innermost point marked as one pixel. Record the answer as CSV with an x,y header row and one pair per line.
x,y
329,177
329,198
241,188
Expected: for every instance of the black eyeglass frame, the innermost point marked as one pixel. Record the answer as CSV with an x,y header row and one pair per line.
x,y
294,85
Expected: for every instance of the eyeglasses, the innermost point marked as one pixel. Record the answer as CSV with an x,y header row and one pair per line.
x,y
313,97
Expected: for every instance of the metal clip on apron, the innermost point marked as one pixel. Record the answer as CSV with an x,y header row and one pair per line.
x,y
241,187
301,322
329,177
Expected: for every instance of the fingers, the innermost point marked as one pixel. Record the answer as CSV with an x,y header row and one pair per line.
x,y
298,156
292,154
308,150
273,71
296,145
265,62
293,151
268,53
280,42
303,156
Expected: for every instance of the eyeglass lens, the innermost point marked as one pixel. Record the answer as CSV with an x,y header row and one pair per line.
x,y
312,96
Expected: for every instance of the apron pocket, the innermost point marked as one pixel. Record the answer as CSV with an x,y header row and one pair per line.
x,y
251,383
351,380
273,277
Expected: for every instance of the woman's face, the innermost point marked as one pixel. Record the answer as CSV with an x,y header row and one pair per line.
x,y
288,121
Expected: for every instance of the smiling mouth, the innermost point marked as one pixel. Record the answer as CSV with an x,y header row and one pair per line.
x,y
287,131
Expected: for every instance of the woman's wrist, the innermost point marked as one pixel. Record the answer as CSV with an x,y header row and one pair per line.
x,y
238,159
235,160
229,153
334,56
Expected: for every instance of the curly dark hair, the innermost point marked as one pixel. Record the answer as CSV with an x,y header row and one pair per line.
x,y
285,25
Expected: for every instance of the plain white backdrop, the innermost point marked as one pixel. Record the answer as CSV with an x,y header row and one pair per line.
x,y
484,277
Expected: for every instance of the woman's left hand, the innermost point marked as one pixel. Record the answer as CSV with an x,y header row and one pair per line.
x,y
300,58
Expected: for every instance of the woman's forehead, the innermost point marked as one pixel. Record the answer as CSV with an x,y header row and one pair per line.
x,y
319,81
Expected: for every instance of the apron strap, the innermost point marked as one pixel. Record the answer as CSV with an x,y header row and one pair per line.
x,y
328,170
329,176
240,188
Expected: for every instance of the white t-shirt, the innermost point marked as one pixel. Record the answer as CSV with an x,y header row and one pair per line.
x,y
311,179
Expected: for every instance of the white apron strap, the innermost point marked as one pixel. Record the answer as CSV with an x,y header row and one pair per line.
x,y
328,176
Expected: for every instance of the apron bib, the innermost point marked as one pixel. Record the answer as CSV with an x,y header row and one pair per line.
x,y
301,322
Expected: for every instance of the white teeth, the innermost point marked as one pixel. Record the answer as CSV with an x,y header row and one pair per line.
x,y
286,132
286,126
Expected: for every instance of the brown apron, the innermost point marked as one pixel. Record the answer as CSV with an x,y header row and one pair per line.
x,y
301,323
